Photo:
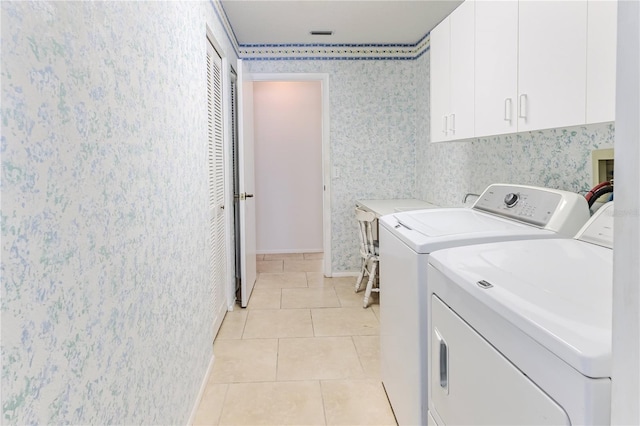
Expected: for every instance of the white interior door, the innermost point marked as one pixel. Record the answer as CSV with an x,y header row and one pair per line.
x,y
247,186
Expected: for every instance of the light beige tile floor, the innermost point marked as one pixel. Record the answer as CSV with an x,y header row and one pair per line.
x,y
304,352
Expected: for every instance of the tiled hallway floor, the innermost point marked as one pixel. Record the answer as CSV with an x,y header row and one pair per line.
x,y
304,352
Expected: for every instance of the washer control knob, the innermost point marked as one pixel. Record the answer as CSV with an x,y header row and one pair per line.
x,y
511,199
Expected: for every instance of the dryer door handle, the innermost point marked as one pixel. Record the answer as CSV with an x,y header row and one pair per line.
x,y
443,361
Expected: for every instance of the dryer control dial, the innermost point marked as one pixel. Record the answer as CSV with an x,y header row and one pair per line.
x,y
511,199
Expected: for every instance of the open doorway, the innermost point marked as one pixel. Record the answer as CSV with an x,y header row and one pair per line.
x,y
288,166
292,164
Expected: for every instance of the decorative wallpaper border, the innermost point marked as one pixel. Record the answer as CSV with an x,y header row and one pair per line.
x,y
320,51
341,51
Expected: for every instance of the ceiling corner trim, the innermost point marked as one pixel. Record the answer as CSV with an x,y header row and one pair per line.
x,y
226,25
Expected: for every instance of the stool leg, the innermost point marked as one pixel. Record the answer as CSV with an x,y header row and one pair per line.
x,y
372,275
361,276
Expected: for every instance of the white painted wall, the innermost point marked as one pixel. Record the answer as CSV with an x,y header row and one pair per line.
x,y
626,280
288,166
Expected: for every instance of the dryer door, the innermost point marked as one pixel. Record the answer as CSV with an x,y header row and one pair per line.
x,y
472,383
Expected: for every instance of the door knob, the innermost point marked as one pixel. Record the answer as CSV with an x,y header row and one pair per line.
x,y
244,196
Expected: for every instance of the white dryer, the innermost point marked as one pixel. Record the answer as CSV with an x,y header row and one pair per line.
x,y
521,330
501,213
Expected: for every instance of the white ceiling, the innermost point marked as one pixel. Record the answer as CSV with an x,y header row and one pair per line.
x,y
359,21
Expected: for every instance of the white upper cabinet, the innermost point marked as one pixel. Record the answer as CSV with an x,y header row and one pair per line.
x,y
462,67
439,74
601,60
552,64
496,67
452,81
512,66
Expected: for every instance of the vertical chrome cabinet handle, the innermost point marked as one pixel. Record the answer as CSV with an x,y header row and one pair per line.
x,y
507,109
522,106
444,125
452,129
443,351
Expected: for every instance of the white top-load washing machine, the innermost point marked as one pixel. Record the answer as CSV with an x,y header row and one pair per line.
x,y
501,213
521,330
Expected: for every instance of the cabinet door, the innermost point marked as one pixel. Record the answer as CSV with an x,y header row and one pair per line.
x,y
462,64
496,70
472,383
601,61
552,64
439,83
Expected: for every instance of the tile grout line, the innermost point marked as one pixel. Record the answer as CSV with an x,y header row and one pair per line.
x,y
313,327
324,407
224,400
335,290
355,347
277,360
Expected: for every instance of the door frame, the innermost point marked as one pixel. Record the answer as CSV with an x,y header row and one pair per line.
x,y
323,78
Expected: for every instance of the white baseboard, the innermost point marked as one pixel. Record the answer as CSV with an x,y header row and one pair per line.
x,y
316,250
203,386
345,274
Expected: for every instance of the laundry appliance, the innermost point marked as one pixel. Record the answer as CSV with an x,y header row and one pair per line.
x,y
502,212
520,331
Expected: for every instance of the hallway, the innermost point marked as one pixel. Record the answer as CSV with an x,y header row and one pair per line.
x,y
304,352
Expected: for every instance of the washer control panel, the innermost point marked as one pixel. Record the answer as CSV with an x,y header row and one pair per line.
x,y
553,209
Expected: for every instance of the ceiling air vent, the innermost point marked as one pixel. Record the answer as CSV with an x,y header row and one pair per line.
x,y
324,33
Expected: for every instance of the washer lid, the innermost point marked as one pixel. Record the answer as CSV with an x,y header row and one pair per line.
x,y
428,230
557,291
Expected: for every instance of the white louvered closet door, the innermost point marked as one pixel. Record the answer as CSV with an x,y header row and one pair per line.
x,y
217,236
